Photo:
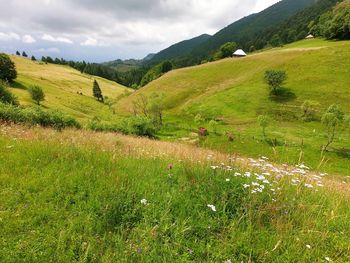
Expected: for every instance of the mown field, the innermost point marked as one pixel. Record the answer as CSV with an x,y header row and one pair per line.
x,y
233,92
61,85
79,196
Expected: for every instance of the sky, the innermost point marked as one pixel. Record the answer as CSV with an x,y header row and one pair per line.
x,y
104,30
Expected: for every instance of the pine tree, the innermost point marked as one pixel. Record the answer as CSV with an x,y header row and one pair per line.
x,y
97,91
24,54
17,53
33,58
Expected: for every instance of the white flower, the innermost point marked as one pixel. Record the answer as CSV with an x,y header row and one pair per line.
x,y
227,180
246,185
212,207
328,259
144,202
309,186
214,167
308,246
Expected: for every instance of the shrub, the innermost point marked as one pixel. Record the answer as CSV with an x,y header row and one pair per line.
x,y
309,109
6,96
37,94
141,126
8,71
36,116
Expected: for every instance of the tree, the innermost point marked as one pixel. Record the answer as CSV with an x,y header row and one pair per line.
x,y
264,122
8,70
156,107
17,53
275,79
309,108
6,96
275,40
37,94
332,119
166,66
24,54
33,58
227,49
109,102
97,92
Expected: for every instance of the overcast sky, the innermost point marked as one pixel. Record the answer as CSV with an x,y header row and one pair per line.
x,y
103,30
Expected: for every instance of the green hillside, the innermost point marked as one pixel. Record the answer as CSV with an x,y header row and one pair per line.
x,y
233,91
61,85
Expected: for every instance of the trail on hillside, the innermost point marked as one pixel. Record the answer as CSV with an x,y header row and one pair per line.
x,y
137,147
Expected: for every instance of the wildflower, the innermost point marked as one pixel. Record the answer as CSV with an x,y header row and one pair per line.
x,y
308,246
227,180
309,186
212,207
170,166
214,167
229,261
246,185
327,259
144,202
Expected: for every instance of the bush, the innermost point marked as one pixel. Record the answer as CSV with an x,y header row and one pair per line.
x,y
8,71
141,126
6,96
36,116
37,94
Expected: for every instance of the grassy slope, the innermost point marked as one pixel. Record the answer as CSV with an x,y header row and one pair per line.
x,y
74,196
61,84
234,90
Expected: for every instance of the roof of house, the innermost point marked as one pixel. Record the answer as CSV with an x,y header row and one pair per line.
x,y
239,52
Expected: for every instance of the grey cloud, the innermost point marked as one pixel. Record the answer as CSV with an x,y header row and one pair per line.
x,y
115,28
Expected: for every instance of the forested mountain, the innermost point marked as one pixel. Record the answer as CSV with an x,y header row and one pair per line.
x,y
247,28
179,49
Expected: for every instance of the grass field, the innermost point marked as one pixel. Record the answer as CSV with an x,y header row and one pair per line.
x,y
233,91
61,85
79,196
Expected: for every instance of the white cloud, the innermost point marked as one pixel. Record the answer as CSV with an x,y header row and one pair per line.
x,y
9,36
28,39
49,50
50,38
92,42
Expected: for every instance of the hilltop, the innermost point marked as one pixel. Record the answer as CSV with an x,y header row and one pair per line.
x,y
61,85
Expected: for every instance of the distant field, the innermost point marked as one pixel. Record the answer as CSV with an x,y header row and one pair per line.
x,y
61,84
233,91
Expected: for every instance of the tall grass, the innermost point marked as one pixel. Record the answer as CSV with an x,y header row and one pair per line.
x,y
73,203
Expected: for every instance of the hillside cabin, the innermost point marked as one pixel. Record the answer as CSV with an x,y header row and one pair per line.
x,y
239,54
310,37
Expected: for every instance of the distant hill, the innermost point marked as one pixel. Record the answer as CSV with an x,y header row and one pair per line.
x,y
180,49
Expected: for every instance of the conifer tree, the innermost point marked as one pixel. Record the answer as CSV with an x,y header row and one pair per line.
x,y
24,54
97,91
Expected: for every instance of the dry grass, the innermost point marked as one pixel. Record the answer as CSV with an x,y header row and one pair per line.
x,y
142,147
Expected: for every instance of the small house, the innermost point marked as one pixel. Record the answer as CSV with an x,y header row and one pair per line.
x,y
239,53
310,37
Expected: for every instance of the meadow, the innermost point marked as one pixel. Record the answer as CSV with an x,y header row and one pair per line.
x,y
80,196
233,92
